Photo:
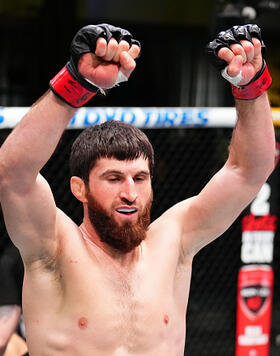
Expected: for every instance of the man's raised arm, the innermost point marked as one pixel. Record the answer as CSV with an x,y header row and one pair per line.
x,y
238,53
101,56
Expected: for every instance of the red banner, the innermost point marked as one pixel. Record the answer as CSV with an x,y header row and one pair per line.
x,y
255,277
254,306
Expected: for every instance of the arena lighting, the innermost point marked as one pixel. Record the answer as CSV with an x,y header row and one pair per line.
x,y
229,9
269,5
230,13
247,10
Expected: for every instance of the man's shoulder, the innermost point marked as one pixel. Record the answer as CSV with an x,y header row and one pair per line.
x,y
168,226
63,221
68,232
173,213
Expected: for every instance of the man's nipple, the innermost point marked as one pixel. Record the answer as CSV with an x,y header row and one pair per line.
x,y
82,323
166,319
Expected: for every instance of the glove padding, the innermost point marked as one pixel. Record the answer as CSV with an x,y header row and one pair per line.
x,y
85,39
229,37
85,42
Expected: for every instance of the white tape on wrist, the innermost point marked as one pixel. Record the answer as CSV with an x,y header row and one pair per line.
x,y
120,78
233,80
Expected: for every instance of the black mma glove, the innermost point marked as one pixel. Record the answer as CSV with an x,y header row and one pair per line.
x,y
68,84
262,80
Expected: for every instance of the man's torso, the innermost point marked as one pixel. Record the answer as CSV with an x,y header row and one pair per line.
x,y
92,304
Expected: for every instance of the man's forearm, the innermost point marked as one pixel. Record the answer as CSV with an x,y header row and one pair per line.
x,y
253,143
35,138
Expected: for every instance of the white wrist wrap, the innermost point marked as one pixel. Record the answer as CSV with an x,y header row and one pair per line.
x,y
120,78
233,80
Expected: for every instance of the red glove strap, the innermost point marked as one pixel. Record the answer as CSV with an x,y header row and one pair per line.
x,y
255,89
69,89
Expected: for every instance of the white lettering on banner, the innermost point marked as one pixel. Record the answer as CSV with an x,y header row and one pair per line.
x,y
252,292
257,246
253,335
142,117
253,330
260,206
154,117
258,230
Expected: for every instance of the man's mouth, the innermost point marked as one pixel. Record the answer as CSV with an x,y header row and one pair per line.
x,y
126,211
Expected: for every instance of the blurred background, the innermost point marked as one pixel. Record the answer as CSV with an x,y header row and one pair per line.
x,y
172,72
35,37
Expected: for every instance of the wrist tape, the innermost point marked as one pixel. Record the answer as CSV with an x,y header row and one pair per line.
x,y
70,90
256,87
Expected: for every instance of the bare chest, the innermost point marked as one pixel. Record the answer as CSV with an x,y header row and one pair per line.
x,y
133,306
107,307
129,295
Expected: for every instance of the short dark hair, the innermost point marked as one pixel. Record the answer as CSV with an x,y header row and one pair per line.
x,y
111,139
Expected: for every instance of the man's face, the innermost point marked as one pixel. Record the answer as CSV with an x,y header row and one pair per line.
x,y
119,201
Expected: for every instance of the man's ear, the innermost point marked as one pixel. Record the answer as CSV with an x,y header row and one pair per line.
x,y
78,188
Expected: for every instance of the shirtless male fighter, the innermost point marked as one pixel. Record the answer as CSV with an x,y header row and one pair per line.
x,y
114,286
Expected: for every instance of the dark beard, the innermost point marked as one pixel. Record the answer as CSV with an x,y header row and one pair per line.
x,y
122,238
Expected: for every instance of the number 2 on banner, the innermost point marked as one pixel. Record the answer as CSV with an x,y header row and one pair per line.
x,y
260,206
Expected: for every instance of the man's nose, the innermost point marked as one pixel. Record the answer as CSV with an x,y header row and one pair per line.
x,y
128,191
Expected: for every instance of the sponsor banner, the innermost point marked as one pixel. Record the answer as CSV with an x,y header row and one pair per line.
x,y
258,236
255,277
175,117
254,305
140,117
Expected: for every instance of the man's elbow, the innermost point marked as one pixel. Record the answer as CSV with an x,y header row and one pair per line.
x,y
268,167
7,179
3,175
258,175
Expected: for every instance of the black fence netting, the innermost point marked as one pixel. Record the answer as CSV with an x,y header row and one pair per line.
x,y
185,160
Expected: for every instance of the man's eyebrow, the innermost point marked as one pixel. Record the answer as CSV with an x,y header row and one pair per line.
x,y
117,172
143,172
111,171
